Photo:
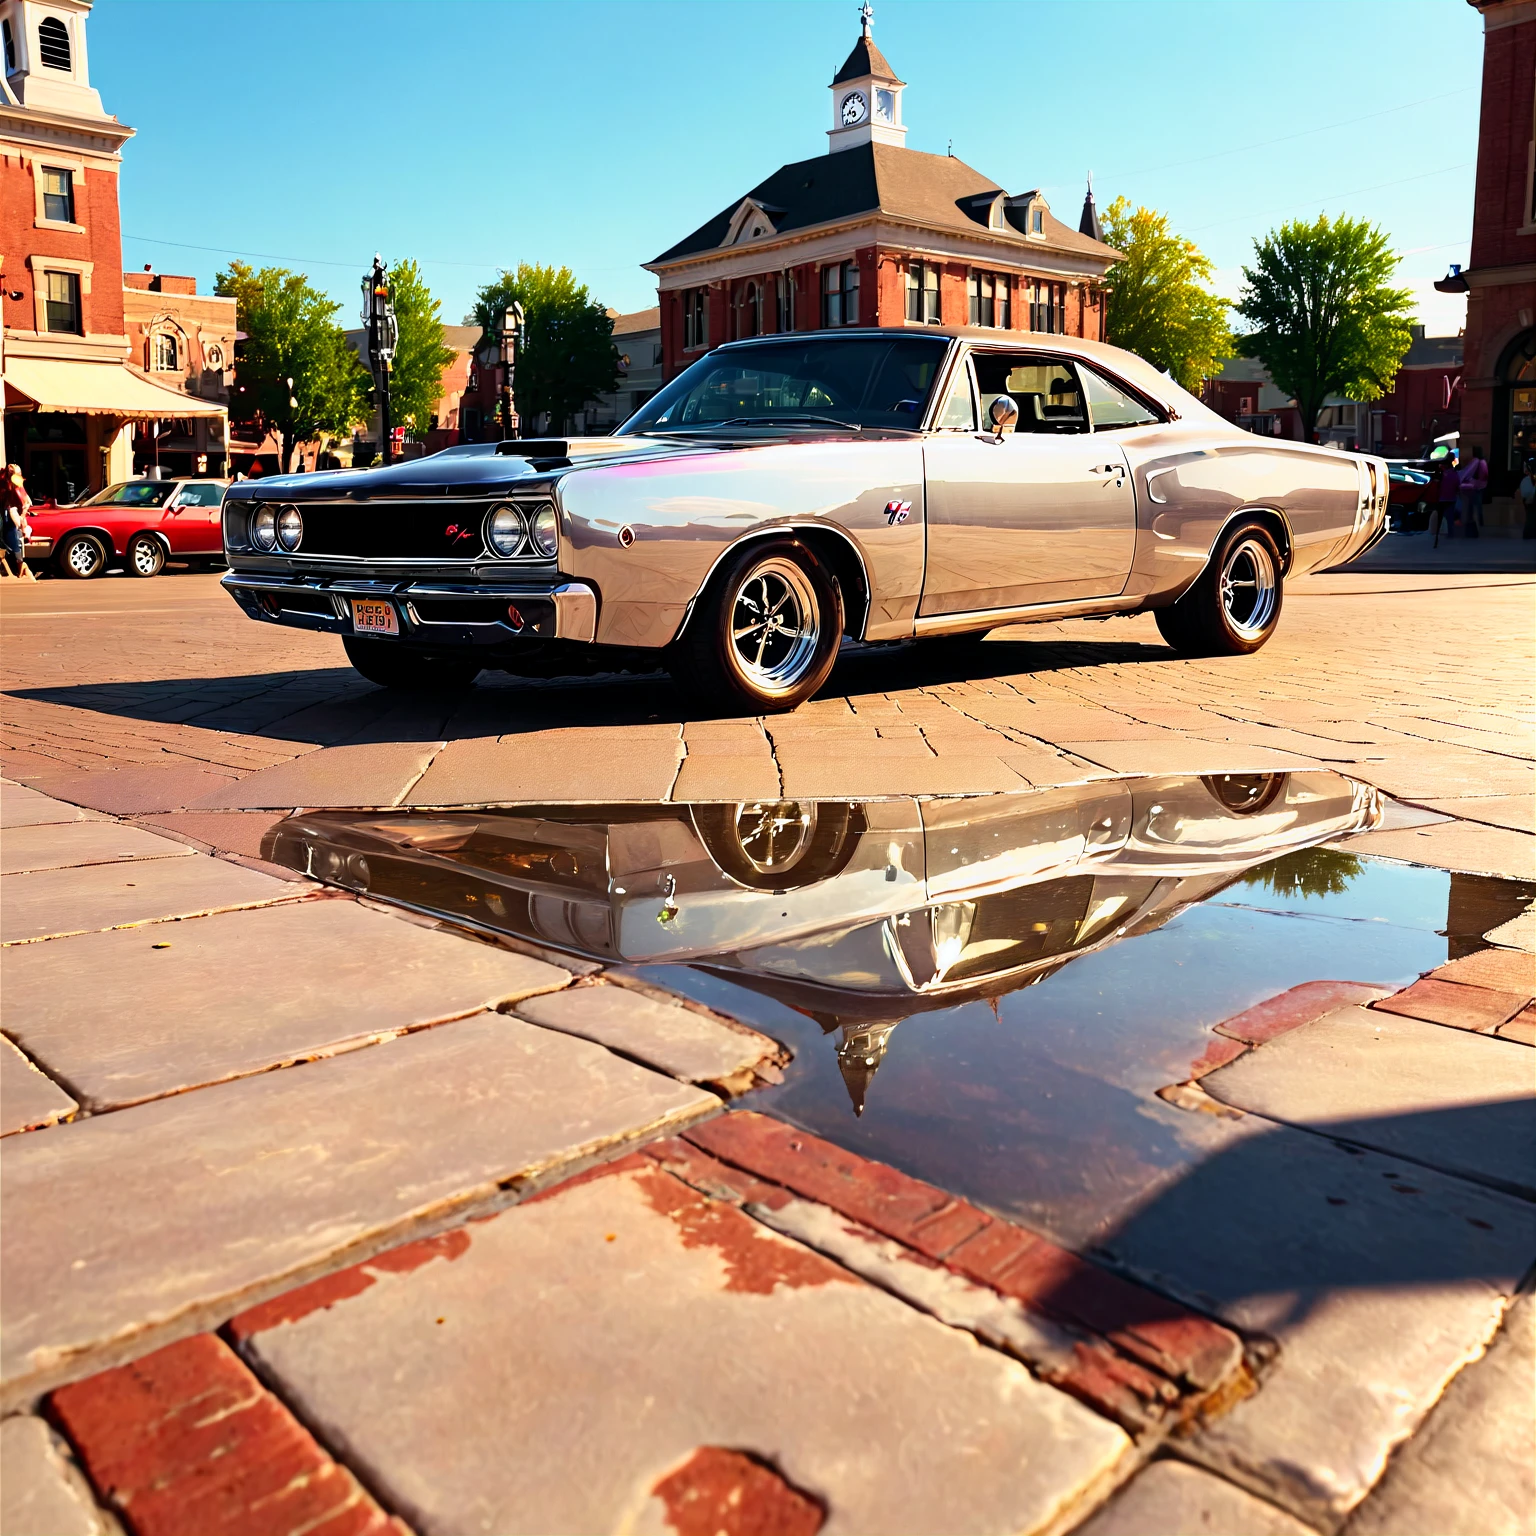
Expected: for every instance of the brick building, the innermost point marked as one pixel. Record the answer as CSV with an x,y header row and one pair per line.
x,y
874,233
71,397
1499,406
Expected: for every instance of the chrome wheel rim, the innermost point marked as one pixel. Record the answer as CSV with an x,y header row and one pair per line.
x,y
773,835
83,558
775,625
146,558
1249,588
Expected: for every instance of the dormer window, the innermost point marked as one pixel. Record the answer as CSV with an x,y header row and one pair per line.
x,y
1037,221
995,214
53,44
167,354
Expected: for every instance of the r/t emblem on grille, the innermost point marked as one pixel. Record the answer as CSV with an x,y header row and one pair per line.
x,y
897,512
457,534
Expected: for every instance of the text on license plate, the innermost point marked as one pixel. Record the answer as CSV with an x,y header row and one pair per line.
x,y
374,618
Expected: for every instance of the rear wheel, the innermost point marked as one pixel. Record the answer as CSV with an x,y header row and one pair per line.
x,y
394,666
81,556
767,631
1235,605
146,555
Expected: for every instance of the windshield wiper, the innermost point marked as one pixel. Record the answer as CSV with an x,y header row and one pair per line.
x,y
787,417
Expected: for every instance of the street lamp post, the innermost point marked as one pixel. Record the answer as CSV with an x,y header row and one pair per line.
x,y
511,330
379,317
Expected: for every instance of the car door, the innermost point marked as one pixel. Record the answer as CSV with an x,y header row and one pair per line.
x,y
191,520
1044,513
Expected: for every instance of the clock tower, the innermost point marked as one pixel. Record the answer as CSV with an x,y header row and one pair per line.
x,y
866,96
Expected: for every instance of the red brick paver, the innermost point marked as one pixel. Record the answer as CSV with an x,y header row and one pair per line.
x,y
1291,1009
718,1492
187,1442
1449,1002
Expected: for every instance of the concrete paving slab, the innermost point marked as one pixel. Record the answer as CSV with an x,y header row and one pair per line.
x,y
370,776
1517,933
222,831
1378,1280
611,1331
553,766
25,850
42,1491
28,1098
1172,1498
1518,812
711,775
136,1013
134,791
1521,1028
1461,1006
23,807
65,901
1459,1102
1469,1471
1184,754
1466,846
1501,970
156,1222
664,1035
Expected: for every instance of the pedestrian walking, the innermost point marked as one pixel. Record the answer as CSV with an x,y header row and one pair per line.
x,y
1527,495
1474,482
1448,495
14,505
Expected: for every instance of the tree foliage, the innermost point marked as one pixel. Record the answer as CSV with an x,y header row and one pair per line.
x,y
416,379
1325,319
1159,307
567,356
291,333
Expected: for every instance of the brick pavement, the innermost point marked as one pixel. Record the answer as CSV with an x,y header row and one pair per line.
x,y
744,1327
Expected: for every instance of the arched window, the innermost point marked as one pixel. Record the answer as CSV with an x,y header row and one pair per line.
x,y
167,354
53,43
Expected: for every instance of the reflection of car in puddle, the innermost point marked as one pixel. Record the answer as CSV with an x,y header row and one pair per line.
x,y
856,913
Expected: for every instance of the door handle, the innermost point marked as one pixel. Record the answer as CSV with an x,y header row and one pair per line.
x,y
1106,469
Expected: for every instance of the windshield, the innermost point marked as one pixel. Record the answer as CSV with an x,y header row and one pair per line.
x,y
864,381
134,493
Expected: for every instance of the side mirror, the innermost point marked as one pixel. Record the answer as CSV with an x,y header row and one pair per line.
x,y
1003,413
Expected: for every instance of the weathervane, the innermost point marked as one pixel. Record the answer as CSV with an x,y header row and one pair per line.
x,y
866,15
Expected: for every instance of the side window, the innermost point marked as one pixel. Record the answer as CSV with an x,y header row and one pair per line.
x,y
1111,407
959,413
201,494
1045,390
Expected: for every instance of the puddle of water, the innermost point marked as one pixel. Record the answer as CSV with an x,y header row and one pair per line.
x,y
986,992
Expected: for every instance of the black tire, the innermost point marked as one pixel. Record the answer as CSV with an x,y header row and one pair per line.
x,y
145,555
779,845
1235,605
80,556
792,659
395,666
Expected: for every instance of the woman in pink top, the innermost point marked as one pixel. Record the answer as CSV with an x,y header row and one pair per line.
x,y
1474,481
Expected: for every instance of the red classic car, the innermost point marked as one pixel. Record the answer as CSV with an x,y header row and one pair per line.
x,y
139,524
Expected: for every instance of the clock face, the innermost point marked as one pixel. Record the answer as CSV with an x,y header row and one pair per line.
x,y
885,106
854,108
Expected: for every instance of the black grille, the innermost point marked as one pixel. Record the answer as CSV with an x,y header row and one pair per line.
x,y
372,530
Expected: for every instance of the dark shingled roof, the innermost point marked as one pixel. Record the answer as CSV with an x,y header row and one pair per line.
x,y
865,59
881,178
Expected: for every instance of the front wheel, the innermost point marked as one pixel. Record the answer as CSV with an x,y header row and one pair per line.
x,y
146,555
1235,605
767,630
393,666
82,556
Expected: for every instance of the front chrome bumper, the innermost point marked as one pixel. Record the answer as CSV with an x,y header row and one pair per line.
x,y
435,613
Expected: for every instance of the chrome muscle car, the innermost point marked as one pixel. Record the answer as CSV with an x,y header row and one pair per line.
x,y
788,492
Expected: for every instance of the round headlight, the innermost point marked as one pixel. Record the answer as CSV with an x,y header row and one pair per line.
x,y
264,527
545,531
504,531
290,528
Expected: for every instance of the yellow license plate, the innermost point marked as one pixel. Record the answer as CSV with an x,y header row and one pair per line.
x,y
374,618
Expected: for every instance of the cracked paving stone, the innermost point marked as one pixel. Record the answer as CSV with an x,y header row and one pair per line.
x,y
29,1099
27,850
42,1491
1171,1498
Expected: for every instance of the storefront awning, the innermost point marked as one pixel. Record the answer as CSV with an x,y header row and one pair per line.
x,y
95,389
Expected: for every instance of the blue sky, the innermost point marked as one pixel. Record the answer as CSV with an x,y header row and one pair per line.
x,y
310,133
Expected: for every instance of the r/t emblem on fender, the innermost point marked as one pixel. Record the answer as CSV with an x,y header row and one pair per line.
x,y
897,512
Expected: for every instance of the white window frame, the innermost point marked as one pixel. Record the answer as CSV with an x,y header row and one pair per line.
x,y
52,162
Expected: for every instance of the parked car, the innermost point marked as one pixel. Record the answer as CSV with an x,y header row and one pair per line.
x,y
139,524
790,490
1409,496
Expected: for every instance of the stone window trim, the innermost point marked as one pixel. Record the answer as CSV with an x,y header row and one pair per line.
x,y
1529,227
39,266
52,162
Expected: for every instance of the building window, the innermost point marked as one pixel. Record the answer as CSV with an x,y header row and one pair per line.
x,y
62,291
167,354
10,46
840,294
58,195
53,43
1037,221
695,318
749,312
923,293
784,301
988,295
1048,308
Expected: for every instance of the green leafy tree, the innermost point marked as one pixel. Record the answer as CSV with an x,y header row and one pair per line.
x,y
567,356
1159,307
416,379
1325,319
291,333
